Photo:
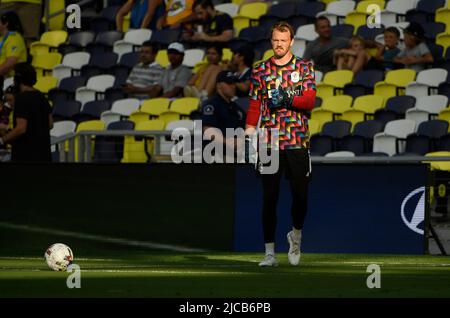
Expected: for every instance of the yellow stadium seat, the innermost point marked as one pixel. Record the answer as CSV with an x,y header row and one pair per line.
x,y
332,108
138,149
46,83
57,22
445,115
333,82
139,116
126,22
443,39
394,83
162,58
240,23
356,18
314,127
443,15
363,106
253,10
44,63
155,106
50,39
169,116
439,165
238,2
363,5
90,125
185,105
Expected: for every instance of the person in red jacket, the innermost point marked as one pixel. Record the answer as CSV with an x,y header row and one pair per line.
x,y
282,94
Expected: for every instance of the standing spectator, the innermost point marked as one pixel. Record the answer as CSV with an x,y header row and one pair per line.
x,y
144,14
213,26
241,64
203,83
30,137
387,52
177,12
12,45
175,76
416,54
321,50
29,12
145,74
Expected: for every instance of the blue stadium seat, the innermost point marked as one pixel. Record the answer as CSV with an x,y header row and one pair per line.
x,y
369,34
426,138
432,29
166,36
92,110
104,60
425,11
129,59
66,110
113,94
66,89
360,141
110,149
120,72
107,20
444,89
363,83
297,21
104,42
336,129
342,30
309,9
321,144
76,42
395,108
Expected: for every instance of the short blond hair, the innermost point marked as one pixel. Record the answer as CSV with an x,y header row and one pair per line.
x,y
282,27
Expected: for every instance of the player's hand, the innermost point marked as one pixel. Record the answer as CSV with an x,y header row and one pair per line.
x,y
275,100
287,98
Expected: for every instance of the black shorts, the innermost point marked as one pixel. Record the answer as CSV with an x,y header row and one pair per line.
x,y
294,163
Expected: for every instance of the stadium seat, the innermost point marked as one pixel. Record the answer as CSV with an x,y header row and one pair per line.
x,y
95,85
169,116
364,107
427,82
155,106
193,56
90,125
392,140
104,42
162,58
56,22
45,83
432,29
66,88
253,11
140,149
439,165
369,33
131,40
299,20
427,107
185,105
425,10
77,41
306,33
138,116
314,127
109,117
65,110
443,39
106,21
333,82
110,148
166,36
321,145
332,107
363,6
44,63
62,128
340,154
336,129
49,40
337,10
309,9
230,8
363,82
130,59
361,140
276,12
356,19
167,144
427,137
92,110
125,107
396,10
394,82
71,62
444,89
104,60
342,30
240,23
443,15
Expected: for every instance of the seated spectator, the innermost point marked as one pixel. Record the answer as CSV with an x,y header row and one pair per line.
x,y
212,25
146,74
389,50
321,50
355,57
12,48
203,83
144,14
177,13
241,64
175,77
416,54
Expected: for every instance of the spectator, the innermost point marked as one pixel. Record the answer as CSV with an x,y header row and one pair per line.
x,y
221,112
355,57
30,137
29,12
212,25
321,49
416,54
203,83
175,77
387,52
144,14
241,64
12,45
177,13
145,74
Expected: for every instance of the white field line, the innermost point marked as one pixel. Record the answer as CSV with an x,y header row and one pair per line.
x,y
100,238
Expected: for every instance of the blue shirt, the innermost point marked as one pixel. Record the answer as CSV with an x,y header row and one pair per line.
x,y
138,13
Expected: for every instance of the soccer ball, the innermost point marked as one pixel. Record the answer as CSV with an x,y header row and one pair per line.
x,y
58,257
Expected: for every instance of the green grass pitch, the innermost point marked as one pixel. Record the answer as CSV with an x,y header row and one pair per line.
x,y
109,270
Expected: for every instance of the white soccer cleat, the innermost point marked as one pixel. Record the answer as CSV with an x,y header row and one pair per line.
x,y
269,261
294,249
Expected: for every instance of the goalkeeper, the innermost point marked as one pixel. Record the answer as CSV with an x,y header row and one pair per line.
x,y
282,93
